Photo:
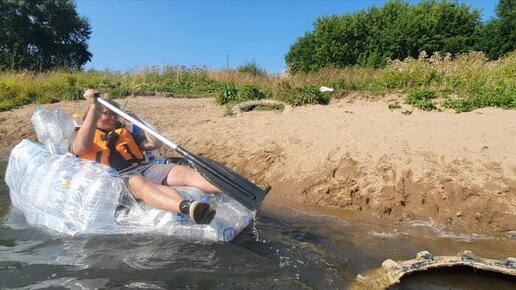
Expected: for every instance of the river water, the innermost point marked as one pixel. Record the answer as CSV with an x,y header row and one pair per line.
x,y
285,249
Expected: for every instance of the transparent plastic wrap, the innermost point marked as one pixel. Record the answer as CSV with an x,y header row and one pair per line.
x,y
75,197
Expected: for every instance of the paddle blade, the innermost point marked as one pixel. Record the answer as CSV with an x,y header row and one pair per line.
x,y
225,179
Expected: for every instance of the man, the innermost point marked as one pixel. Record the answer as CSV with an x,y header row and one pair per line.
x,y
101,139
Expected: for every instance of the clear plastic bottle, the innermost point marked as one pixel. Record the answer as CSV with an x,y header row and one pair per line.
x,y
150,157
77,119
53,129
65,122
224,232
94,195
46,128
193,232
67,128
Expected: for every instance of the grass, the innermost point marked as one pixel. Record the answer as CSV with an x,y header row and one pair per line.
x,y
233,94
464,83
394,106
270,107
422,99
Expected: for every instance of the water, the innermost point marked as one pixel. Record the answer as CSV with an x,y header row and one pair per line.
x,y
286,249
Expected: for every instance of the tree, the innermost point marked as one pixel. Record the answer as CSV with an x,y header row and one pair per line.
x,y
39,35
440,26
506,12
497,37
394,31
301,56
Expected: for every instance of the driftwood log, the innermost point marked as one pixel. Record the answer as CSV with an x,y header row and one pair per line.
x,y
238,109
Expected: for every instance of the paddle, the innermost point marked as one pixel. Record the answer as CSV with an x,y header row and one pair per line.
x,y
230,182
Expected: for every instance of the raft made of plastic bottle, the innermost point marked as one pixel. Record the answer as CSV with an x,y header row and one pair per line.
x,y
60,192
66,195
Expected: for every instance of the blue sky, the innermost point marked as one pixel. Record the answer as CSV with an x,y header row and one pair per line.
x,y
212,34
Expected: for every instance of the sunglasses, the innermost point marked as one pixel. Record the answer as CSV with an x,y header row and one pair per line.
x,y
109,114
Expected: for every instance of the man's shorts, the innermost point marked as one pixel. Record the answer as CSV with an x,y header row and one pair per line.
x,y
156,173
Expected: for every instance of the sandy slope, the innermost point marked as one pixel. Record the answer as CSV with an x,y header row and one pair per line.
x,y
458,170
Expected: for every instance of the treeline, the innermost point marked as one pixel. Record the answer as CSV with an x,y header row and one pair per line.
x,y
398,30
47,34
42,35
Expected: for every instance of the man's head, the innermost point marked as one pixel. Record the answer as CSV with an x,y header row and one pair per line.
x,y
107,118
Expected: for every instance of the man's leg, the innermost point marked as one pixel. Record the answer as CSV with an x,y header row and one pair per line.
x,y
183,175
167,198
157,196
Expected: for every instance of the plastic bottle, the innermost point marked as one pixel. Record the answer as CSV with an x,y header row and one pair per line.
x,y
182,218
53,129
77,119
224,232
44,125
95,193
65,122
150,157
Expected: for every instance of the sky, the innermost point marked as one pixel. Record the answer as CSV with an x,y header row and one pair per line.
x,y
216,34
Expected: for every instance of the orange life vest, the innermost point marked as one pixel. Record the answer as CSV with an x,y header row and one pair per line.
x,y
116,149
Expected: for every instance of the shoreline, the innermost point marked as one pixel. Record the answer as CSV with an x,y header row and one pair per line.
x,y
458,170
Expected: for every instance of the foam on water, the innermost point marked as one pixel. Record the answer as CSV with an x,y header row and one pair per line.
x,y
441,232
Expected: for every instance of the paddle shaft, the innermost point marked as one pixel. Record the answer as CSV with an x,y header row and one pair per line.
x,y
137,123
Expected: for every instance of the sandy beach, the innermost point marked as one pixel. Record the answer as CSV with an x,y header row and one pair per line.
x,y
457,170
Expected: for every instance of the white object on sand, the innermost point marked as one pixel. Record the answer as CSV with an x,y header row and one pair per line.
x,y
326,89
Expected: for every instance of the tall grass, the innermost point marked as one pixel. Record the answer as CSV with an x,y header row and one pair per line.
x,y
464,82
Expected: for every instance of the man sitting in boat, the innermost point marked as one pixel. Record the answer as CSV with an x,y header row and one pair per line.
x,y
101,139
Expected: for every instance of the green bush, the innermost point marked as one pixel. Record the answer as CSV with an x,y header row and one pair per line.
x,y
480,101
309,95
251,68
232,94
301,96
9,89
44,100
422,99
247,93
421,95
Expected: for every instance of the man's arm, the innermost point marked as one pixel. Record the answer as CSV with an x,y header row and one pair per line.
x,y
86,133
150,143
